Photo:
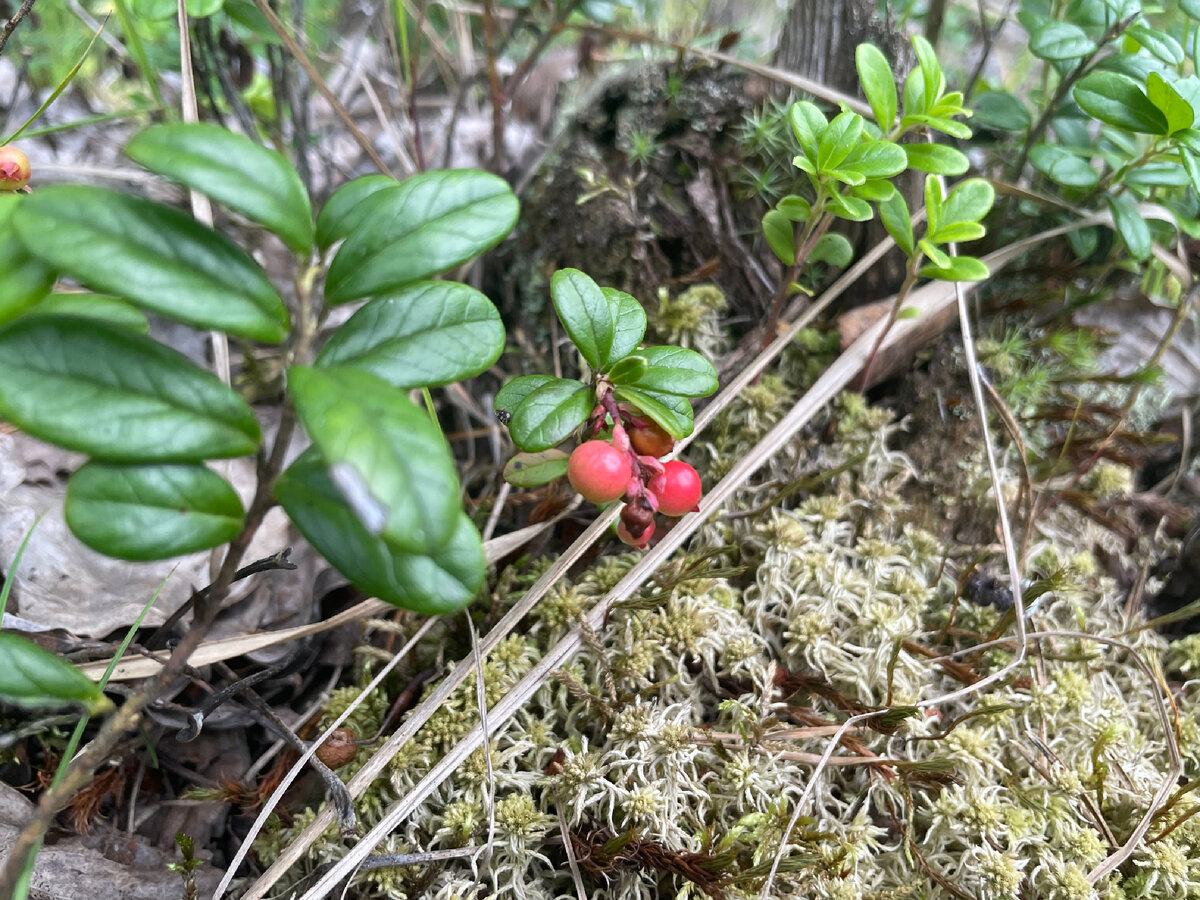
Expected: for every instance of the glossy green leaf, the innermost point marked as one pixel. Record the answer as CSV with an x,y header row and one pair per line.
x,y
154,256
969,201
913,98
441,582
672,412
932,80
517,389
875,159
26,279
33,677
430,333
878,83
845,176
387,458
1117,100
832,249
896,219
1164,173
586,314
95,306
629,369
1058,41
103,390
961,268
938,258
143,513
1177,111
676,370
428,224
958,232
1130,225
874,189
1157,43
808,124
852,208
529,470
1062,166
629,323
795,207
233,170
347,207
938,123
547,415
780,235
1000,110
838,140
936,159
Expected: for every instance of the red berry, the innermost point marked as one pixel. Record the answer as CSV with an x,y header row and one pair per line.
x,y
678,488
599,471
650,439
641,541
14,169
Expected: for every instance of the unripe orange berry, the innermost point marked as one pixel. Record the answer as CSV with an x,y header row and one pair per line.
x,y
651,440
599,471
14,169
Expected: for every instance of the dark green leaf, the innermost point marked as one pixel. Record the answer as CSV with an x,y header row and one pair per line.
x,y
1117,100
144,513
838,140
103,390
896,219
630,323
33,677
1062,166
428,224
1130,225
676,370
586,314
628,370
430,333
95,306
513,392
548,414
233,170
1157,174
26,279
1000,110
1177,111
346,209
878,83
875,159
961,268
780,235
808,123
154,256
672,412
937,159
1060,41
833,249
442,582
1158,43
387,458
529,470
796,208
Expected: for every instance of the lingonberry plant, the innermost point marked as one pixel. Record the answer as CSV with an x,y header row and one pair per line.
x,y
631,407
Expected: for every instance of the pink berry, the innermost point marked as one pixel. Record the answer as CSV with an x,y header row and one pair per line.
x,y
677,488
599,471
14,169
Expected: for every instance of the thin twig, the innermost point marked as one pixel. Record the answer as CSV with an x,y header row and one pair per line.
x,y
11,25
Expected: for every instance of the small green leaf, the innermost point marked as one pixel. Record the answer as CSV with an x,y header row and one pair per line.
x,y
874,189
896,219
529,470
932,80
938,257
832,249
913,97
969,201
961,268
143,513
1157,43
103,390
1191,166
235,171
936,159
33,677
672,412
427,334
851,208
838,140
908,312
1177,111
154,256
875,159
630,323
388,459
429,223
95,306
958,232
628,370
676,370
547,415
780,235
878,83
1058,41
938,123
933,203
347,207
586,314
1000,110
1062,166
1130,225
795,207
1117,100
439,583
808,124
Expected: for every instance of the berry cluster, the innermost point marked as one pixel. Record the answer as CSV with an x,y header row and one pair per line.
x,y
626,466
